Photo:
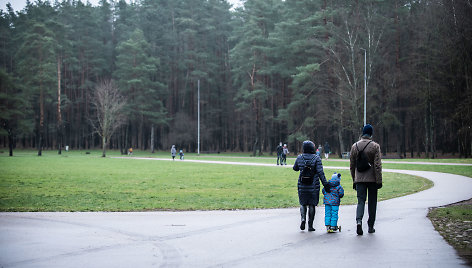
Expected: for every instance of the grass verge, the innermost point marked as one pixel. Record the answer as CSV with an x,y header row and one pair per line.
x,y
454,223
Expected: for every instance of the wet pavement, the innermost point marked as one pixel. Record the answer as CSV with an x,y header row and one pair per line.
x,y
250,238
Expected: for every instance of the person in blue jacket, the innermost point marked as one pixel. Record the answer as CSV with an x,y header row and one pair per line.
x,y
332,200
309,189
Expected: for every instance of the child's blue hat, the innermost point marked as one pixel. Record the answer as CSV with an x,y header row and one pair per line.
x,y
336,175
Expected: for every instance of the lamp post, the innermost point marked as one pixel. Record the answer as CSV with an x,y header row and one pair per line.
x,y
365,85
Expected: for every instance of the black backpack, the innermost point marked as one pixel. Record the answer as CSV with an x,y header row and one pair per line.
x,y
308,172
362,162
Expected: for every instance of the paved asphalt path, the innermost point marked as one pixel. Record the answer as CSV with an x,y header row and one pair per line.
x,y
248,238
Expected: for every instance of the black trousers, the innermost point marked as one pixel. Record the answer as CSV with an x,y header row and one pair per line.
x,y
366,190
279,157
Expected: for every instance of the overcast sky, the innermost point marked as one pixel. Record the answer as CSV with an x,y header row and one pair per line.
x,y
20,4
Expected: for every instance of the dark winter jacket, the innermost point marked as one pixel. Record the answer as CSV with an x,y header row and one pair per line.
x,y
333,198
280,150
309,194
327,149
372,151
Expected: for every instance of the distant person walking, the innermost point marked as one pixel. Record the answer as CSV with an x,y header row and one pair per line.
x,y
181,154
366,173
311,172
173,152
327,150
284,154
280,150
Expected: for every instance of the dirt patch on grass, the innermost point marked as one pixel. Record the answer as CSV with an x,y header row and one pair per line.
x,y
454,223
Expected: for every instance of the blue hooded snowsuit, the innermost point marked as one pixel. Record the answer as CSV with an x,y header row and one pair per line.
x,y
332,200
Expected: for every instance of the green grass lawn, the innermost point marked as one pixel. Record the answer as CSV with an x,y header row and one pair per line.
x,y
75,181
463,212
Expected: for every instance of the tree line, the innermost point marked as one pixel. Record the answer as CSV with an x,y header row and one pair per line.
x,y
269,71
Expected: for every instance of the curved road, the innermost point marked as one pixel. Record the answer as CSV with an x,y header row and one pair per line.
x,y
249,238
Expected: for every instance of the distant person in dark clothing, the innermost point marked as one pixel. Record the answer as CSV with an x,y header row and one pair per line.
x,y
280,150
327,150
181,154
366,173
311,172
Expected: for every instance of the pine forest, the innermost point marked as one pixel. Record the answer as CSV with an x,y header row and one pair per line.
x,y
126,74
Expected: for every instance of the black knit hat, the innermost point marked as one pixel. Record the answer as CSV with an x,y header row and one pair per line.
x,y
308,147
368,130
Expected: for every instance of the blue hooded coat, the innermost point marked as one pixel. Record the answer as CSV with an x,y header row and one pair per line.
x,y
333,198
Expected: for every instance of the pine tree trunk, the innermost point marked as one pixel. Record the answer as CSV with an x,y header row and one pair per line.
x,y
41,120
257,142
403,128
10,142
152,138
122,140
431,131
426,143
340,127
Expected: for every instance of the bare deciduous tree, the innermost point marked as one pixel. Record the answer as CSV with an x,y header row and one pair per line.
x,y
109,116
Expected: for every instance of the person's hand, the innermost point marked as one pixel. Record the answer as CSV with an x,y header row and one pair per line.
x,y
354,186
379,185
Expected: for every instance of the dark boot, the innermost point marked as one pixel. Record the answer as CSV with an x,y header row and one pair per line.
x,y
302,225
303,210
359,229
371,230
311,218
310,226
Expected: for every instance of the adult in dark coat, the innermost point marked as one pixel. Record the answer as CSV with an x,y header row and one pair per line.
x,y
327,150
309,194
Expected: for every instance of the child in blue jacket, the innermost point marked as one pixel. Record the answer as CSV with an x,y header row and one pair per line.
x,y
332,201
